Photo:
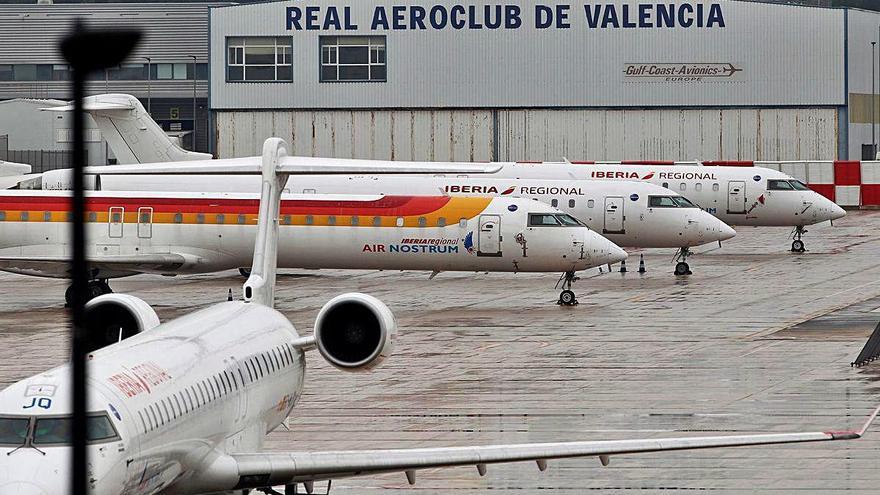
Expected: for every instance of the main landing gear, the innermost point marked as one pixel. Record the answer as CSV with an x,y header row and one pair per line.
x,y
94,289
681,267
797,245
566,297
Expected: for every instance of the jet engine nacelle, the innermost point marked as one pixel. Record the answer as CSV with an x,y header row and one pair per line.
x,y
114,317
62,180
355,331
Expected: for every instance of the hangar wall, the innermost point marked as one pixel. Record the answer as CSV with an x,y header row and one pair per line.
x,y
538,134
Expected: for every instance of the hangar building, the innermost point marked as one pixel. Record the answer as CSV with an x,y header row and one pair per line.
x,y
625,80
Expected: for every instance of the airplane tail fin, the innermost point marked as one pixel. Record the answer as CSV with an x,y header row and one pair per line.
x,y
260,285
131,132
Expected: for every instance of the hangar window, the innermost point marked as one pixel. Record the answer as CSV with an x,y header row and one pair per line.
x,y
265,58
353,58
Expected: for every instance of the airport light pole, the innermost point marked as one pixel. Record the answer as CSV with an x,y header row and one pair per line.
x,y
149,81
86,52
194,102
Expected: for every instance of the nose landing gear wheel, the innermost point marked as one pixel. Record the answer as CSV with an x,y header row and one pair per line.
x,y
682,268
797,246
567,298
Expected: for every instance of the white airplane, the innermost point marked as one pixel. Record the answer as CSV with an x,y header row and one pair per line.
x,y
748,196
184,233
184,407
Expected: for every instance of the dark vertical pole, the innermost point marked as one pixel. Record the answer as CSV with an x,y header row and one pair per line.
x,y
149,85
873,97
194,102
80,283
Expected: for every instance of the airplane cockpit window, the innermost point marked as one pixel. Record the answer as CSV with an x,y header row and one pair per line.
x,y
799,186
543,220
684,202
45,431
568,220
779,185
13,431
661,202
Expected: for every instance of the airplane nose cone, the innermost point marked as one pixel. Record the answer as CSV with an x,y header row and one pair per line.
x,y
837,211
22,488
725,231
610,252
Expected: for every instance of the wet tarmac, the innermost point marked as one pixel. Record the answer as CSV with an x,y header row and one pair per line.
x,y
756,340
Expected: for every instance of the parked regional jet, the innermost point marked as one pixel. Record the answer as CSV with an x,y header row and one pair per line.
x,y
184,407
749,196
180,233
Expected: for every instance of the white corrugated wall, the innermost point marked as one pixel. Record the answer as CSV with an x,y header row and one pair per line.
x,y
539,134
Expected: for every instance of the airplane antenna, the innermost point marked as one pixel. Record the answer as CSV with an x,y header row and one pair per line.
x,y
260,285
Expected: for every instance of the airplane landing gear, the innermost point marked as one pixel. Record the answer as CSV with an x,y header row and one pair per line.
x,y
94,289
567,297
681,267
797,245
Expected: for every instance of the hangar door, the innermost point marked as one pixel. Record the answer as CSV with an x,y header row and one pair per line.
x,y
614,215
490,236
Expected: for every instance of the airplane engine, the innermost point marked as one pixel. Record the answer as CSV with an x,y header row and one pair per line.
x,y
355,331
114,317
62,180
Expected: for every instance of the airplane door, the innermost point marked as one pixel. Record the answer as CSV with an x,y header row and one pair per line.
x,y
145,223
736,197
490,236
116,221
614,217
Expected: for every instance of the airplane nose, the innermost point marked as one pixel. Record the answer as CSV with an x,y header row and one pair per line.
x,y
21,488
836,211
610,252
725,231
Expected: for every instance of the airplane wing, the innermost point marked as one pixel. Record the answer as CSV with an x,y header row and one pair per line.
x,y
60,265
271,469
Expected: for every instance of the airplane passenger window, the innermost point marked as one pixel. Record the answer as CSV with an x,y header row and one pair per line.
x,y
779,185
287,220
93,217
798,185
200,218
590,203
331,220
354,220
698,186
24,216
542,220
571,203
310,220
178,218
666,185
2,216
47,216
242,219
399,222
661,202
554,203
683,186
462,222
423,221
377,221
715,187
218,218
441,222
